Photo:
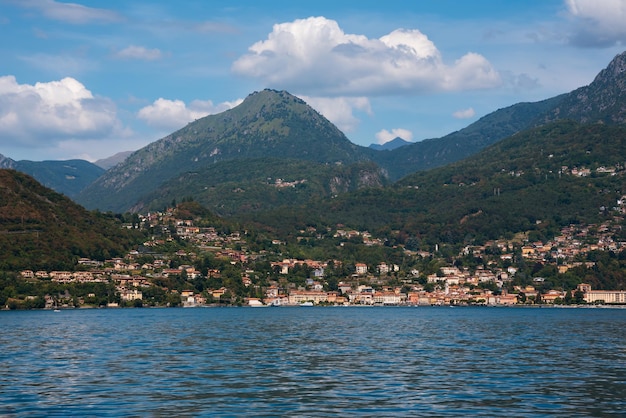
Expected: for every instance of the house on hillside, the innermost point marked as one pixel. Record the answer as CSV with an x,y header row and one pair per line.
x,y
361,268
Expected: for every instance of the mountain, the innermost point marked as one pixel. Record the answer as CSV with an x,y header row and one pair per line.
x,y
267,124
275,124
489,129
113,160
397,142
6,162
603,100
42,229
538,180
68,177
247,186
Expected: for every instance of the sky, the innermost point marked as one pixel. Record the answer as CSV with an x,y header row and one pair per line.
x,y
88,79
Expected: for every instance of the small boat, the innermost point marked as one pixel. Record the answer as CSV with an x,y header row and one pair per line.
x,y
309,303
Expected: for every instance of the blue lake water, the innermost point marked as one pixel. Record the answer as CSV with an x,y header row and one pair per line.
x,y
314,362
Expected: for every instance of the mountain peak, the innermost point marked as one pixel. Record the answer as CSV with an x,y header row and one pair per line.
x,y
614,71
6,162
397,142
604,100
267,124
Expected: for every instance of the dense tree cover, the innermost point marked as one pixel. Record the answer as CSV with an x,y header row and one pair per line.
x,y
246,186
41,229
520,184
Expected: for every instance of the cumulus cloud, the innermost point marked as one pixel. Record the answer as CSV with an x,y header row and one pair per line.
x,y
47,113
340,110
315,55
173,114
598,23
70,12
384,135
464,113
139,52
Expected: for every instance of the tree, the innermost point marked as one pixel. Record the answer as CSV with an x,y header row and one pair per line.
x,y
579,297
568,298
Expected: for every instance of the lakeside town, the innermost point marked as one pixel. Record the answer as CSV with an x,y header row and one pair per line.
x,y
189,264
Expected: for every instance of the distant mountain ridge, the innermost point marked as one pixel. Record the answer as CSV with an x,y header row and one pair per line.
x,y
397,142
275,124
68,177
113,160
604,100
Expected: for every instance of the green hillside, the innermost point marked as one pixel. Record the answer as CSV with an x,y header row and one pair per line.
x,y
210,157
461,144
41,229
241,186
268,124
524,183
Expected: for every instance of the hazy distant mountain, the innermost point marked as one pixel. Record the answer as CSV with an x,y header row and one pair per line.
x,y
397,142
109,162
268,124
67,177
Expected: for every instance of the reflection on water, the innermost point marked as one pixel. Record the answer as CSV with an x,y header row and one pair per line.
x,y
314,362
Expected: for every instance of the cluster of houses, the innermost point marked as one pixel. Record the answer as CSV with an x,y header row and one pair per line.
x,y
450,285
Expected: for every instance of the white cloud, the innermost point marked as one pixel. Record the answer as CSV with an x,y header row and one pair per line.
x,y
315,55
598,23
46,113
173,114
139,52
340,110
464,113
70,12
384,135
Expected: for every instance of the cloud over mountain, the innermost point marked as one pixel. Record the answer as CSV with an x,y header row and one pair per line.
x,y
340,110
174,114
316,55
464,113
385,136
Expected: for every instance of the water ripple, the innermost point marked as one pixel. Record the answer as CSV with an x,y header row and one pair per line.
x,y
314,362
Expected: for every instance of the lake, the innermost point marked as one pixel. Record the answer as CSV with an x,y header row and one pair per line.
x,y
346,361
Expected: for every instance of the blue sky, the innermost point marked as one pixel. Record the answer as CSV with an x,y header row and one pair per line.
x,y
89,79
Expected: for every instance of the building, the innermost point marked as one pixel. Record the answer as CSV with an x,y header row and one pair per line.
x,y
602,296
361,268
131,294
